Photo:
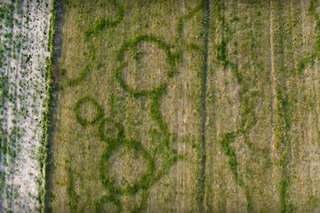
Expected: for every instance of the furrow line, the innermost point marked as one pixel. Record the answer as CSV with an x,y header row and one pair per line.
x,y
203,104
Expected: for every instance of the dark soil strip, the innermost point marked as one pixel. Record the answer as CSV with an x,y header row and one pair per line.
x,y
57,40
206,9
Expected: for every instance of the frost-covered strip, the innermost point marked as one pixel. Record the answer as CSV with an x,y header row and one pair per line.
x,y
13,93
19,38
3,95
9,106
22,96
28,174
26,190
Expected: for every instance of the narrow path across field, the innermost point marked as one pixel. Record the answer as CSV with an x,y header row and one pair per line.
x,y
273,101
204,105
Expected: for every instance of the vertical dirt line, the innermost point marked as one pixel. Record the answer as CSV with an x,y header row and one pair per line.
x,y
272,77
273,100
206,9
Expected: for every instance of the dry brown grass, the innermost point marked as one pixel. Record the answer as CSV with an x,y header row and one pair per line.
x,y
261,126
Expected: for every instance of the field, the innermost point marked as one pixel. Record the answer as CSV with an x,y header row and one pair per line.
x,y
186,106
24,95
159,106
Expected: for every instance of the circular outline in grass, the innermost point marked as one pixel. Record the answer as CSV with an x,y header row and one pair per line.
x,y
145,179
79,119
171,60
102,136
104,199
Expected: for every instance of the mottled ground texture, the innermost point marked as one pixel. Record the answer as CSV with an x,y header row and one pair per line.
x,y
186,106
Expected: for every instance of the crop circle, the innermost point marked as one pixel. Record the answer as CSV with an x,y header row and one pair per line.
x,y
97,110
109,201
144,179
108,127
132,46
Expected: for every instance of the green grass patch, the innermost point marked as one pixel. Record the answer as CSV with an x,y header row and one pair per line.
x,y
105,23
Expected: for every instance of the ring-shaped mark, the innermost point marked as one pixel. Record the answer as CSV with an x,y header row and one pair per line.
x,y
171,60
79,118
145,179
102,133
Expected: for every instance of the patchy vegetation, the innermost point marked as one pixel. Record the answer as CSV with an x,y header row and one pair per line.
x,y
188,106
25,77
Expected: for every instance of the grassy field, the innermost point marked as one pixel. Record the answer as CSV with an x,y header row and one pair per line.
x,y
186,106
